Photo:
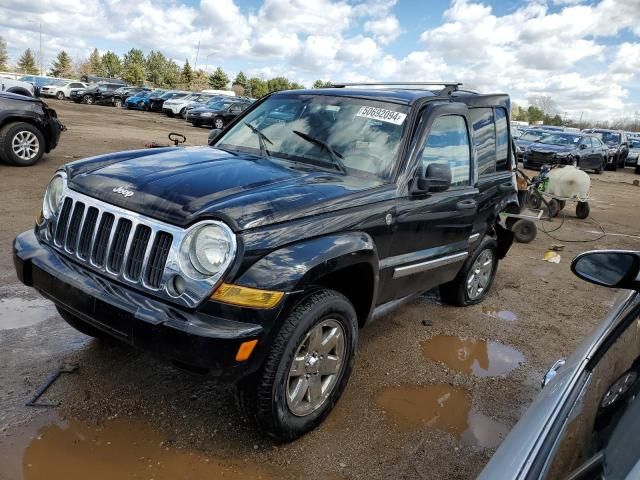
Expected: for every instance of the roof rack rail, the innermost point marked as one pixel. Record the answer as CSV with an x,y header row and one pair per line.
x,y
449,87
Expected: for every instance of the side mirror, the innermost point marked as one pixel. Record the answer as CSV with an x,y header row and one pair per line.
x,y
582,146
213,136
609,268
437,178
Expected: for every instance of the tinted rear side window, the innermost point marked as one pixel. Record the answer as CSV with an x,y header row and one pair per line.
x,y
502,140
484,133
448,143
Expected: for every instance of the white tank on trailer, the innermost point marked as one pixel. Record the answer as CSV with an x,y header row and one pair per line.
x,y
569,182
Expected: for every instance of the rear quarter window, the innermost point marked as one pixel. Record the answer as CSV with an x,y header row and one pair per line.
x,y
502,140
484,133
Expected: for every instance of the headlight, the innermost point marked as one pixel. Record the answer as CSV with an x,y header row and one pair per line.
x,y
561,154
207,250
53,196
206,114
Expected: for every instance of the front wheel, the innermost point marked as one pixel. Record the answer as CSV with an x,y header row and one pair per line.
x,y
183,113
473,282
117,102
218,123
306,369
88,99
60,95
21,144
582,210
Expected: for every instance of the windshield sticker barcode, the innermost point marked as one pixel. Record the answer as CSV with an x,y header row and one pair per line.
x,y
382,114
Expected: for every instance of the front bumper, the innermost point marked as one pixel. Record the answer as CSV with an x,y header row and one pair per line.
x,y
192,339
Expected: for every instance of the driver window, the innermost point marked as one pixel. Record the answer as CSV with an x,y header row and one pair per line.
x,y
448,143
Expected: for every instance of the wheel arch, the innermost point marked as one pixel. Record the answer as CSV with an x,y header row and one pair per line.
x,y
19,91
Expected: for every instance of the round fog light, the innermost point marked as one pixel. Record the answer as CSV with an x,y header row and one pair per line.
x,y
176,286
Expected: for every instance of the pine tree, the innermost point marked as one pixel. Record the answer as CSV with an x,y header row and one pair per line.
x,y
95,63
187,73
4,57
134,67
218,80
111,64
27,63
240,79
61,66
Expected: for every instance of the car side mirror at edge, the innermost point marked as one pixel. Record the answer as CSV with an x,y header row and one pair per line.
x,y
213,136
609,268
437,178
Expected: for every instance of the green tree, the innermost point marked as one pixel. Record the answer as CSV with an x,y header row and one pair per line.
x,y
321,84
171,74
27,63
134,67
62,65
240,79
95,63
187,73
156,66
199,80
277,84
218,80
296,86
534,114
256,87
111,64
4,57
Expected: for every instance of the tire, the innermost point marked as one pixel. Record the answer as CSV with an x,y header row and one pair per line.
x,y
88,99
534,200
598,170
264,397
21,144
524,231
562,204
169,114
582,210
554,208
117,102
82,326
218,122
60,96
510,222
474,271
574,162
637,170
617,393
183,112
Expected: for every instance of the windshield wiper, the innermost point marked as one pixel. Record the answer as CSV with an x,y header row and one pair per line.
x,y
335,156
262,138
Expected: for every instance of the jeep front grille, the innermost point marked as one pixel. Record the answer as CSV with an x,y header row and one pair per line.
x,y
112,243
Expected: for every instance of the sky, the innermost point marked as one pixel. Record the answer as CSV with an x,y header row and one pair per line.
x,y
583,54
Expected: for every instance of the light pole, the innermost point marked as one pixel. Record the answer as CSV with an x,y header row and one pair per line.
x,y
207,62
40,54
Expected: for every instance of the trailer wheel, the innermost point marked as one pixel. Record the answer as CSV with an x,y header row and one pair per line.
x,y
582,210
524,230
554,208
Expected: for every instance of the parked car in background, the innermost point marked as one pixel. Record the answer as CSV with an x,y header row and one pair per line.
x,y
121,94
38,80
156,102
217,113
61,89
28,129
141,100
101,94
178,106
526,138
95,79
17,86
584,423
633,158
586,152
617,143
259,258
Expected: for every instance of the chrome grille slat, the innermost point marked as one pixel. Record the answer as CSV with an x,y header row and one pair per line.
x,y
87,233
63,222
73,231
120,240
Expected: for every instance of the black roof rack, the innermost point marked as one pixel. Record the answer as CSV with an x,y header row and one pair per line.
x,y
449,87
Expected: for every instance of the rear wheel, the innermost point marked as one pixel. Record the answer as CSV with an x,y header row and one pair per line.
x,y
21,144
60,95
554,208
473,282
117,102
80,325
88,99
306,369
218,123
582,210
524,231
183,112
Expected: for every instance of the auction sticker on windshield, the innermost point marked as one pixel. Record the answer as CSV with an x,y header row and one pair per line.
x,y
382,114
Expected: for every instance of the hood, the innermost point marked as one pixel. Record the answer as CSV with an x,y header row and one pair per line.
x,y
183,185
546,148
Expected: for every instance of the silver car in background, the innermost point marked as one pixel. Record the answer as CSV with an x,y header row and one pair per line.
x,y
585,423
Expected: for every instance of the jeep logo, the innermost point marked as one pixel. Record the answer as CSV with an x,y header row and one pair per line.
x,y
123,191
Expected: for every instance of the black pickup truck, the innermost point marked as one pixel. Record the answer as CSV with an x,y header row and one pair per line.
x,y
259,258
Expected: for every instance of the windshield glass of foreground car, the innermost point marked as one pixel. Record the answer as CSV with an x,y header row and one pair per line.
x,y
560,139
363,134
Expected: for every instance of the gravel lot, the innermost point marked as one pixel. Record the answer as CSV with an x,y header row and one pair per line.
x,y
434,391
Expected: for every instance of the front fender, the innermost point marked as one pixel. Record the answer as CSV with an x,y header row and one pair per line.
x,y
296,266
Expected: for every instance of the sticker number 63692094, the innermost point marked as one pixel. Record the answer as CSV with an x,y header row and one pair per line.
x,y
382,114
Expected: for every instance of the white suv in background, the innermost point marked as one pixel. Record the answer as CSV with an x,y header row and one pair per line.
x,y
178,106
61,89
16,86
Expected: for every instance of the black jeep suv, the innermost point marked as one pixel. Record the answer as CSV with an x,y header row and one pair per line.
x,y
28,129
617,146
259,258
101,94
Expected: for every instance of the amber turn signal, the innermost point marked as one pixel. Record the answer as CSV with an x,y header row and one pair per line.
x,y
246,297
245,350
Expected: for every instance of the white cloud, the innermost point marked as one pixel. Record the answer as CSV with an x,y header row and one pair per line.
x,y
386,29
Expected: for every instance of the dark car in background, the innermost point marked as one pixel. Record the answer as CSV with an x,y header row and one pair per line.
x,y
156,101
526,138
217,113
141,100
584,424
101,94
617,146
121,94
586,152
28,129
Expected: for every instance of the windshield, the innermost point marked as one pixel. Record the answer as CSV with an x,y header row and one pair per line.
x,y
634,143
610,137
560,139
532,136
218,105
316,129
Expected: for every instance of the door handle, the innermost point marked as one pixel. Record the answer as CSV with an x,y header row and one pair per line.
x,y
466,204
506,187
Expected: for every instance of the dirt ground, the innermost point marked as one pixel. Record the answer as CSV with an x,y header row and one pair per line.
x,y
434,391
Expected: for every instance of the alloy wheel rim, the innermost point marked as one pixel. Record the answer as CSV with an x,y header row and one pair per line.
x,y
25,145
218,123
619,388
480,275
316,368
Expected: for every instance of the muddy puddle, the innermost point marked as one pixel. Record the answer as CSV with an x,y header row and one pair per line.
x,y
443,407
481,358
18,312
64,449
506,315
